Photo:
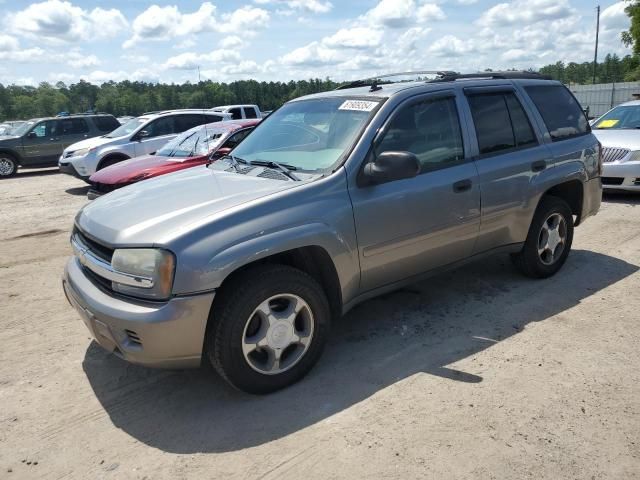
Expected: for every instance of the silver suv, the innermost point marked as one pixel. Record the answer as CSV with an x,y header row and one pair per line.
x,y
334,198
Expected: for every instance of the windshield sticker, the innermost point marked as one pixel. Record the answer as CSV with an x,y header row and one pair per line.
x,y
607,123
358,105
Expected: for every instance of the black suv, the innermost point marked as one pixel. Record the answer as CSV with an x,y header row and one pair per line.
x,y
39,142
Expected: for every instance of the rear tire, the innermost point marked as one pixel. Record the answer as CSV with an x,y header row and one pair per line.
x,y
267,328
549,240
8,165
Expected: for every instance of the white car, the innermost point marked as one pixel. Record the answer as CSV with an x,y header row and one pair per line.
x,y
140,136
618,131
239,112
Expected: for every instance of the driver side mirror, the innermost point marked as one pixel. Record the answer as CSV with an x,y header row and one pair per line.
x,y
221,152
142,134
390,166
32,135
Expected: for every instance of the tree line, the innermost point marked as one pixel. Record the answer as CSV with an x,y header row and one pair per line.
x,y
135,98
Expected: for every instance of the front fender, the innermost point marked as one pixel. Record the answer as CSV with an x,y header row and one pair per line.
x,y
210,275
13,153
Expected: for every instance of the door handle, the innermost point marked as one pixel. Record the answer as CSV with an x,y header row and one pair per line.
x,y
54,139
538,166
462,186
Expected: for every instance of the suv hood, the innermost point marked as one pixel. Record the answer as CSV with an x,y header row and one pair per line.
x,y
157,210
629,139
90,143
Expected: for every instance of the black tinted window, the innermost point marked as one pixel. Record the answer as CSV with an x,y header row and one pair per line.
x,y
430,130
236,138
212,118
249,112
106,124
185,122
72,126
560,111
521,126
492,122
236,113
161,126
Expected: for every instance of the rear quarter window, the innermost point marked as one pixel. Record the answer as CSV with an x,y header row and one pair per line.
x,y
560,111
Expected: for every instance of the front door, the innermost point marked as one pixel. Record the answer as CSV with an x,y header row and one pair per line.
x,y
159,132
42,144
407,227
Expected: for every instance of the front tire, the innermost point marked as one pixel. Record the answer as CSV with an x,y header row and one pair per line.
x,y
8,165
549,240
268,328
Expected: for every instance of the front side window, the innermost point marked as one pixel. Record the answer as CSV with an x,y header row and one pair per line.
x,y
236,138
161,126
560,111
236,113
429,129
45,129
620,118
310,135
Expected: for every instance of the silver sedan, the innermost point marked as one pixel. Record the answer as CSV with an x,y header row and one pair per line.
x,y
618,131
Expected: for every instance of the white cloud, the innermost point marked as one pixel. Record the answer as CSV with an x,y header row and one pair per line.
x,y
357,37
525,12
232,41
81,60
309,6
164,23
403,13
60,20
191,61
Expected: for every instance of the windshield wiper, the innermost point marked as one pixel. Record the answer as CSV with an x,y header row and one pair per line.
x,y
234,160
284,168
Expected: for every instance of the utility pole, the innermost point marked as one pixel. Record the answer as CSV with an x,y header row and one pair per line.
x,y
595,58
198,67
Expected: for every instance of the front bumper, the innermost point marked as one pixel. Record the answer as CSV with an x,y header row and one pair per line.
x,y
70,169
624,176
168,334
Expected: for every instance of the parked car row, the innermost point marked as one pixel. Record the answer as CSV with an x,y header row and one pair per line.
x,y
332,199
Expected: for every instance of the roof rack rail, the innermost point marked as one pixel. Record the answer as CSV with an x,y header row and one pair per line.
x,y
373,81
510,75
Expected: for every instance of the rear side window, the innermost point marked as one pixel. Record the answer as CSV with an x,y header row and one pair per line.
x,y
106,124
501,123
560,111
72,126
212,118
250,112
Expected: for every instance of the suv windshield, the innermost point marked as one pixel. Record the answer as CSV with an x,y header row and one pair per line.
x,y
127,129
194,142
22,129
309,135
622,117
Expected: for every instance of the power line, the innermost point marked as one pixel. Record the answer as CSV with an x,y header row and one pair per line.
x,y
595,57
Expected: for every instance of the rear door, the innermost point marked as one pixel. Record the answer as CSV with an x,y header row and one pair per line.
x,y
72,130
509,154
250,112
42,144
410,226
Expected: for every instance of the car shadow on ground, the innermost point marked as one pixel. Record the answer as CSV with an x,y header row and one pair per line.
x,y
79,191
621,197
419,330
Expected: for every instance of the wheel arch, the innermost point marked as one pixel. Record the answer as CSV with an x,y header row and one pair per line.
x,y
111,156
12,153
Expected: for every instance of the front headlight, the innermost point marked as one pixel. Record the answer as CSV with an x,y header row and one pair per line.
x,y
82,152
151,268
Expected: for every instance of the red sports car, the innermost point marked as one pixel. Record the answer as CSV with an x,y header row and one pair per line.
x,y
194,147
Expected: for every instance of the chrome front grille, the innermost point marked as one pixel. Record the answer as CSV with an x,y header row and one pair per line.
x,y
613,154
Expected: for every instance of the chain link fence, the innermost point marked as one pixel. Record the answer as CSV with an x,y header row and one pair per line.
x,y
600,98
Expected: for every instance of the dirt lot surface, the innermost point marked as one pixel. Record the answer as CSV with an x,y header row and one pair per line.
x,y
478,373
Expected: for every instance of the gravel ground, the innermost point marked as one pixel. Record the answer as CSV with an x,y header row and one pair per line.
x,y
478,373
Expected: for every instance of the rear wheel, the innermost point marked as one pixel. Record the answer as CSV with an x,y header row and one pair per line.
x,y
8,165
549,240
268,328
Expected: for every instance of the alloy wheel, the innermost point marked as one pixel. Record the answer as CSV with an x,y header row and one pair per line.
x,y
552,239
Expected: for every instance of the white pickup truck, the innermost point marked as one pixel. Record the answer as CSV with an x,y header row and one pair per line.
x,y
238,112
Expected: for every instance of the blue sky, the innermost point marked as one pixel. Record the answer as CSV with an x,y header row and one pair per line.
x,y
55,40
